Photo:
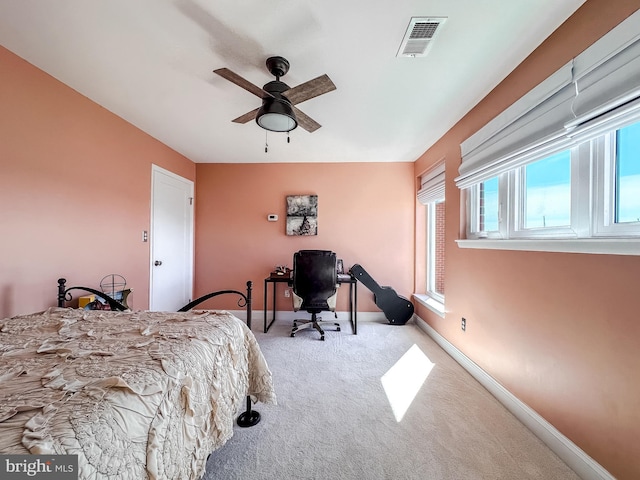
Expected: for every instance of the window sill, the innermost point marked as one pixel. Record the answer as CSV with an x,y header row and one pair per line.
x,y
429,302
610,246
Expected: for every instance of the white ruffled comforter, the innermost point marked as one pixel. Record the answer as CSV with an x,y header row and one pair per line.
x,y
134,394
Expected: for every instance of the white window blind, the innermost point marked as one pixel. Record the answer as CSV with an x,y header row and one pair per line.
x,y
432,185
607,84
596,92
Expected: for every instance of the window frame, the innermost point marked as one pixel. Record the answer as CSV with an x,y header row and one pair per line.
x,y
593,178
517,203
431,191
472,228
604,224
431,262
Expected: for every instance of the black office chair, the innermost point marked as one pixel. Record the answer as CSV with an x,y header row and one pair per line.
x,y
315,288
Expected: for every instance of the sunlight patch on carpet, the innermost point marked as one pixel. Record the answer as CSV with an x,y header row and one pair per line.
x,y
402,382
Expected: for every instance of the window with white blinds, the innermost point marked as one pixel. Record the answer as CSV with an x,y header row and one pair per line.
x,y
563,154
431,194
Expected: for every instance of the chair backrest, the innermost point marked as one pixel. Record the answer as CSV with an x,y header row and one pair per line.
x,y
315,278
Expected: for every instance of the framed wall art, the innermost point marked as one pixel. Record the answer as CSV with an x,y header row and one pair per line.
x,y
302,215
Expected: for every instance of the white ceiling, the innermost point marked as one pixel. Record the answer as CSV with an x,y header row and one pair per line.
x,y
151,63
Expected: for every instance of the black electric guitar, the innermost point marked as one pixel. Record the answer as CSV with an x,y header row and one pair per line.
x,y
397,309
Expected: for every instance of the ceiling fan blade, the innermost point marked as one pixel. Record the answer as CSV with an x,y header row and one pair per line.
x,y
241,82
247,117
310,89
305,121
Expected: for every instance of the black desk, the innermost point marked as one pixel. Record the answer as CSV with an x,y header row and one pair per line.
x,y
342,278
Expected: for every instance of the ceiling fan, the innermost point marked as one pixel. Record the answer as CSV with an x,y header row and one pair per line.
x,y
278,112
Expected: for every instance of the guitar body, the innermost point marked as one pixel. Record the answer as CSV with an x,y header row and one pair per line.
x,y
396,308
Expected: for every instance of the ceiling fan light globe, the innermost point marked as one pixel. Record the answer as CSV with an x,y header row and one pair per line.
x,y
276,115
276,122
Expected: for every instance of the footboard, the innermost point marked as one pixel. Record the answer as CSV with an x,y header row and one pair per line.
x,y
243,302
249,417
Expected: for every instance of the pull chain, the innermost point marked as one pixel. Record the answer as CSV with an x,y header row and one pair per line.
x,y
266,142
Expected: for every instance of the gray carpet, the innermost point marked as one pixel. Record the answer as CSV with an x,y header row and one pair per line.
x,y
334,421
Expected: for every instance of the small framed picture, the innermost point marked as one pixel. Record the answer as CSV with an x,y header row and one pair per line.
x,y
340,266
302,215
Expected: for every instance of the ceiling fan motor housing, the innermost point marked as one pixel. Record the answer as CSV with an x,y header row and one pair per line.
x,y
275,87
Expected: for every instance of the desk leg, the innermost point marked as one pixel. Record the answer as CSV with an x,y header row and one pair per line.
x,y
355,308
266,302
273,305
353,329
265,307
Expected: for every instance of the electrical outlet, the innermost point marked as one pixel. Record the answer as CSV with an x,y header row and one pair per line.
x,y
287,293
463,324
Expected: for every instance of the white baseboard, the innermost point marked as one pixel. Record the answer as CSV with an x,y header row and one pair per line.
x,y
569,452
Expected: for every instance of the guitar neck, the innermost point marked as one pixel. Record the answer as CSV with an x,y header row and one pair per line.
x,y
361,275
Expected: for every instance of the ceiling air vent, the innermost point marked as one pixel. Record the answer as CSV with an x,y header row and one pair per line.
x,y
419,36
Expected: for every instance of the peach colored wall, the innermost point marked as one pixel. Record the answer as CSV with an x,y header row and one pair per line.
x,y
365,215
75,188
560,331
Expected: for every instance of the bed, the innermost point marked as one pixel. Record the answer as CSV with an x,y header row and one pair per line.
x,y
134,394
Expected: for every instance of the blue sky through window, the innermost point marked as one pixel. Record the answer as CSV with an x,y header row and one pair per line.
x,y
628,174
547,187
490,214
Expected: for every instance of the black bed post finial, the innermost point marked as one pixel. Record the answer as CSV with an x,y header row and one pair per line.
x,y
249,288
61,289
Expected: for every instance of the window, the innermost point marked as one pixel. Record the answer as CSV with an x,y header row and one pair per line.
x,y
617,183
431,194
543,205
489,206
590,190
627,175
546,192
485,209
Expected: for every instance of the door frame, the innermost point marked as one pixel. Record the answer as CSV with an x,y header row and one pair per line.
x,y
155,169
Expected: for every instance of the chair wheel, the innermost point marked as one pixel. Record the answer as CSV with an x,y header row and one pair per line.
x,y
338,329
322,338
293,334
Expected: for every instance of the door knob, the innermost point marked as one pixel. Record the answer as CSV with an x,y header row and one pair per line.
x,y
157,263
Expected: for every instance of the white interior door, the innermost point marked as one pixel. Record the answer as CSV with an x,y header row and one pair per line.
x,y
171,279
